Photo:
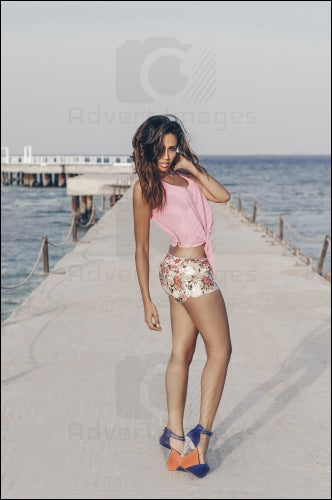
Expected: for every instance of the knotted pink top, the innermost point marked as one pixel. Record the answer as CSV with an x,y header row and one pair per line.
x,y
187,217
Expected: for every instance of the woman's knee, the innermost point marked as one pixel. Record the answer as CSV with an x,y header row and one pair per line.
x,y
182,356
222,353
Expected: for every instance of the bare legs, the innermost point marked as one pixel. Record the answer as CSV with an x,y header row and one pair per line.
x,y
210,317
184,336
206,314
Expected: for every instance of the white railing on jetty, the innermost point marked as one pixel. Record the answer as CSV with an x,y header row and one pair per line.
x,y
70,160
29,159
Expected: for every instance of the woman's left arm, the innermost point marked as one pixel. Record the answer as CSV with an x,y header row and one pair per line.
x,y
211,188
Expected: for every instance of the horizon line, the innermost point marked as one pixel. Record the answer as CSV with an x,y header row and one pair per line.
x,y
202,154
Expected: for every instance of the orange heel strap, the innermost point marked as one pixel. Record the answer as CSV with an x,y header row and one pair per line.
x,y
173,461
190,459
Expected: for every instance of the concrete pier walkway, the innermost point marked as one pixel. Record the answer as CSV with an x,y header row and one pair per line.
x,y
83,400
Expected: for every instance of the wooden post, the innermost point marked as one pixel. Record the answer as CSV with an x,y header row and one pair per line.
x,y
45,255
281,227
112,198
239,203
75,206
32,180
93,214
83,212
89,202
47,180
61,180
74,232
323,254
103,202
254,212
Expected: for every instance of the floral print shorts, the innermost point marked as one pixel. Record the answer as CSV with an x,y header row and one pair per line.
x,y
185,278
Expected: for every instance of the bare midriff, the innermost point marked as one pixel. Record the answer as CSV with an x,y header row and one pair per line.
x,y
188,252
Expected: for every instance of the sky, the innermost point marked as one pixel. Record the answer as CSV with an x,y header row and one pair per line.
x,y
244,77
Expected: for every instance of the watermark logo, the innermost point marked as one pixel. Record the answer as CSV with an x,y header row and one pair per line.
x,y
162,67
85,432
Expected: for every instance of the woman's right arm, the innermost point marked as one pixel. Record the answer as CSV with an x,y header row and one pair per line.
x,y
142,215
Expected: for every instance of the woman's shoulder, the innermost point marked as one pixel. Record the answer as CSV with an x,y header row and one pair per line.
x,y
140,205
137,191
186,175
137,187
190,178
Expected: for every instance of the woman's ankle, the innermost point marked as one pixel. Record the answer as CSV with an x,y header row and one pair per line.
x,y
203,447
176,444
176,429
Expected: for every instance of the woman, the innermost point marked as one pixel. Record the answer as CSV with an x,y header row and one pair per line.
x,y
173,189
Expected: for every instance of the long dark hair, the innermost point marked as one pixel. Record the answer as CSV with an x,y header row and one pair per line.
x,y
148,147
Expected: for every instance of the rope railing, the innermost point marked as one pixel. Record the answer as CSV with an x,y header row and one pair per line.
x,y
73,221
31,273
44,251
100,211
264,217
290,227
44,246
309,240
92,217
281,219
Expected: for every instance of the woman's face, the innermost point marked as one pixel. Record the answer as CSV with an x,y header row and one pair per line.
x,y
166,159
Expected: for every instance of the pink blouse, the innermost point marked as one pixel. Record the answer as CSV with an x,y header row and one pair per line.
x,y
187,217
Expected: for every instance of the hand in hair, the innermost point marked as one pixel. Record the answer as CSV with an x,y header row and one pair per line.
x,y
182,163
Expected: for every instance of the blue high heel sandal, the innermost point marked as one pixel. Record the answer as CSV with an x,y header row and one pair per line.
x,y
190,458
174,458
164,439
